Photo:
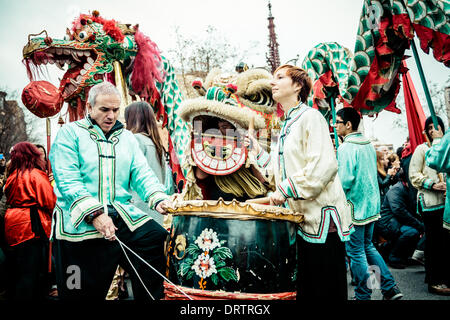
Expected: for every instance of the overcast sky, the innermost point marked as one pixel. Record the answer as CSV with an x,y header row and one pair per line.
x,y
299,24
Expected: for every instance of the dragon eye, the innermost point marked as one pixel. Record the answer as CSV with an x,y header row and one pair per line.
x,y
83,35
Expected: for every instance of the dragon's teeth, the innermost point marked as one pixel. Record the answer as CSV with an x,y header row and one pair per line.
x,y
75,57
59,51
87,53
83,72
87,66
90,60
74,82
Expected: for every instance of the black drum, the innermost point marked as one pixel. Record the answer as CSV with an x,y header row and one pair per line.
x,y
232,250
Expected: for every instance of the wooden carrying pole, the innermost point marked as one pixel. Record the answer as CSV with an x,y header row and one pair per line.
x,y
49,170
333,114
123,90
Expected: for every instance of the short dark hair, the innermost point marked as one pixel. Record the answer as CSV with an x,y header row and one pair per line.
x,y
429,121
299,76
350,114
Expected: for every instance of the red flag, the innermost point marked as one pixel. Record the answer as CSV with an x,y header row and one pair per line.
x,y
414,111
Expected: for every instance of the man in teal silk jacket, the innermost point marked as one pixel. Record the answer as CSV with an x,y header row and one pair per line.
x,y
357,169
96,163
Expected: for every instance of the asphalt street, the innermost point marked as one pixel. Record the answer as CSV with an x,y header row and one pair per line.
x,y
410,282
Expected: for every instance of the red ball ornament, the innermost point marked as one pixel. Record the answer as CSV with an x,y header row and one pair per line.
x,y
42,98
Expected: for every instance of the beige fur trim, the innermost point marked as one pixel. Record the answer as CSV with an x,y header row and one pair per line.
x,y
240,117
252,82
258,107
246,78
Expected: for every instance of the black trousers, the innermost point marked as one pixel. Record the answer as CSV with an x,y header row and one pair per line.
x,y
84,270
437,247
27,275
321,271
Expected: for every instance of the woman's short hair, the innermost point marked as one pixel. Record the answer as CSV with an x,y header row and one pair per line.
x,y
429,121
300,76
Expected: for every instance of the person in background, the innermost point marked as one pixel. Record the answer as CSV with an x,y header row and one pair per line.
x,y
393,161
430,205
2,244
384,150
141,121
399,224
385,174
30,200
438,158
2,172
53,290
340,140
358,173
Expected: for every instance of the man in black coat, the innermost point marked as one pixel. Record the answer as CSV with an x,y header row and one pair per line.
x,y
399,223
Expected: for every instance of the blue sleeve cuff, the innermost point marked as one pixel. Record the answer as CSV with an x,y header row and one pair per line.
x,y
263,158
428,184
287,189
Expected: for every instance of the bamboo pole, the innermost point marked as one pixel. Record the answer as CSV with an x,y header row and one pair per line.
x,y
333,114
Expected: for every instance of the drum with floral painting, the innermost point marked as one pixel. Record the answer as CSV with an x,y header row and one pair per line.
x,y
231,250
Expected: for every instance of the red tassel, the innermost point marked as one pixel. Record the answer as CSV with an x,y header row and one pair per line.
x,y
145,67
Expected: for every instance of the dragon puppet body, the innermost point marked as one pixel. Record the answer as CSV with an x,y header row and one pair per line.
x,y
97,50
368,78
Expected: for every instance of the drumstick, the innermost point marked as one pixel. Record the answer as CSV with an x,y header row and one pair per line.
x,y
251,126
259,200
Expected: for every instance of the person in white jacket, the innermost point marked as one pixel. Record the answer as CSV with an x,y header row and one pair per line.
x,y
304,168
